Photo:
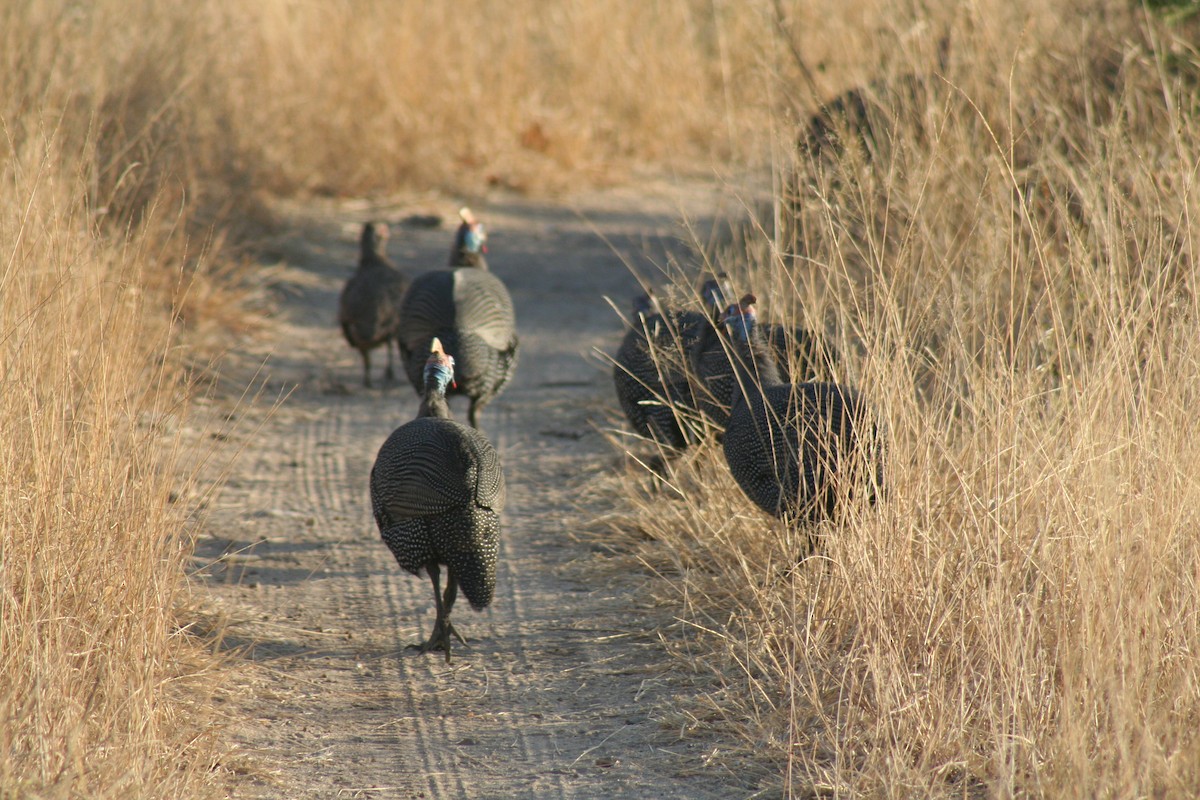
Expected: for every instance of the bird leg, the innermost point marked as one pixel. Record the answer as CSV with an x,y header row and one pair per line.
x,y
439,639
473,412
447,604
389,374
366,357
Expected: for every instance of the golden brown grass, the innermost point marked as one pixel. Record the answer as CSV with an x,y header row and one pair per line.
x,y
1013,276
101,692
134,137
231,99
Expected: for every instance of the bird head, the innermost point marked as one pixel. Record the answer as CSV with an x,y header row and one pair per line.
x,y
472,237
643,305
741,317
374,237
715,292
439,368
646,311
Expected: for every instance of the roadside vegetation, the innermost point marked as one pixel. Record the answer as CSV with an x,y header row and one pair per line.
x,y
1008,261
1008,268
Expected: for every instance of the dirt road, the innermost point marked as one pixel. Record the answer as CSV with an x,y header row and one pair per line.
x,y
565,689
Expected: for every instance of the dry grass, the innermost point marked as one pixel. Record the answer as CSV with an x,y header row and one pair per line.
x,y
101,693
137,136
1013,275
231,99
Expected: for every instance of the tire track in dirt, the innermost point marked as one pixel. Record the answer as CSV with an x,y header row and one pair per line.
x,y
557,693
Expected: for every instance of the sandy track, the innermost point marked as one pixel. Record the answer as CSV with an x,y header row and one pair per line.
x,y
561,691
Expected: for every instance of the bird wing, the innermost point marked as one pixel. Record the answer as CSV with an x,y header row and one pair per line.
x,y
484,307
424,470
489,474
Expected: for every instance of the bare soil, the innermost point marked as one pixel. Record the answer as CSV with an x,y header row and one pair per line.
x,y
566,689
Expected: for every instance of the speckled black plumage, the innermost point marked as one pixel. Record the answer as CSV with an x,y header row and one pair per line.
x,y
651,370
796,355
725,368
437,490
369,305
797,450
801,354
649,375
470,310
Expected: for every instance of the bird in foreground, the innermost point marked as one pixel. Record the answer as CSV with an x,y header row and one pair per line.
x,y
437,490
471,312
798,451
369,306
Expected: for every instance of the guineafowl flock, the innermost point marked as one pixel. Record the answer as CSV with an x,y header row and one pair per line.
x,y
437,486
800,448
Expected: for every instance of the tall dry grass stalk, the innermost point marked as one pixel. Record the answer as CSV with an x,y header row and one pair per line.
x,y
1009,262
101,692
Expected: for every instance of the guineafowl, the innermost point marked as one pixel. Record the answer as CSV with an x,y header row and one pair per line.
x,y
717,365
437,490
470,311
798,451
869,114
369,306
650,371
651,388
797,354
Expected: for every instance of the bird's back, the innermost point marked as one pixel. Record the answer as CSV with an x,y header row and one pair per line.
x,y
471,311
798,449
369,306
437,490
465,299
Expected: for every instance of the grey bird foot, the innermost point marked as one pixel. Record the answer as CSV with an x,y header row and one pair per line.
x,y
439,639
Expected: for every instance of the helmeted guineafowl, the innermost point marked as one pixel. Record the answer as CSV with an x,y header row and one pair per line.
x,y
799,450
651,388
470,311
719,360
369,306
437,490
869,114
650,371
798,355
